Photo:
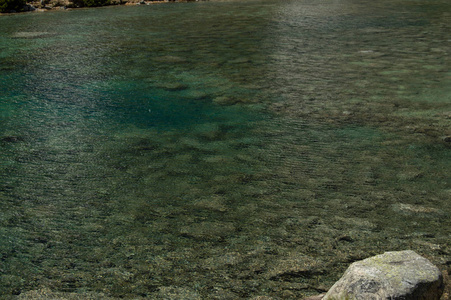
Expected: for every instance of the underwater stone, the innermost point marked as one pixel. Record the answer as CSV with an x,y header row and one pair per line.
x,y
210,132
170,59
196,95
12,139
46,293
224,100
411,209
208,230
214,203
231,100
169,86
294,266
393,275
30,35
173,293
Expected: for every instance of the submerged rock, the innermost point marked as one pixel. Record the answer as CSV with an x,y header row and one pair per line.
x,y
170,59
30,34
418,210
172,86
232,100
295,266
214,231
224,100
196,95
392,275
45,293
12,139
172,292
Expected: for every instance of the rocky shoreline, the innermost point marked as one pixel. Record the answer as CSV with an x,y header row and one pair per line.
x,y
49,5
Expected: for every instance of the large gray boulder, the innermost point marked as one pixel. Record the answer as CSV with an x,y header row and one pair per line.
x,y
393,275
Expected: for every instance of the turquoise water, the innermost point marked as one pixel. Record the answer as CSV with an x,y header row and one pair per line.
x,y
220,150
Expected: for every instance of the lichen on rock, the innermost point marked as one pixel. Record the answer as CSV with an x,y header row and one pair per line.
x,y
392,275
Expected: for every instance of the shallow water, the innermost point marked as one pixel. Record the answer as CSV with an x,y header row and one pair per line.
x,y
220,150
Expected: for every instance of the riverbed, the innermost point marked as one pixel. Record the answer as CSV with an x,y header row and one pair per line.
x,y
220,150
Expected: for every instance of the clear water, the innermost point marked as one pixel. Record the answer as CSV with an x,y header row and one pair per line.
x,y
220,150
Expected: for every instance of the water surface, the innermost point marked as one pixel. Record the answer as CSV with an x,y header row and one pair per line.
x,y
220,150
